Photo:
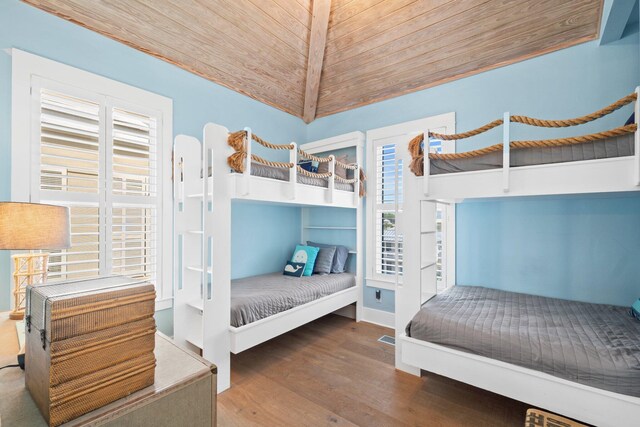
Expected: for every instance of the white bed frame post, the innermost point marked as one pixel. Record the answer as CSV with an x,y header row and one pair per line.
x,y
408,297
506,151
293,174
359,204
636,153
188,278
217,229
427,164
332,178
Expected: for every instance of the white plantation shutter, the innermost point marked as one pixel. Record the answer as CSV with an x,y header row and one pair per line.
x,y
69,142
388,191
134,157
102,162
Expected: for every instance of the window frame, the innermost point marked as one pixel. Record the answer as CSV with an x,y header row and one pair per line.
x,y
29,74
384,136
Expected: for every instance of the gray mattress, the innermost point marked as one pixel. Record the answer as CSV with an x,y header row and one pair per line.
x,y
258,169
592,344
254,298
601,149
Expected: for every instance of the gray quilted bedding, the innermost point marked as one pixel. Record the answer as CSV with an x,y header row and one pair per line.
x,y
592,344
258,169
254,298
603,148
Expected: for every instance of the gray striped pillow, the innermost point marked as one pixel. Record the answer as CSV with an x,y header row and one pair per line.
x,y
324,260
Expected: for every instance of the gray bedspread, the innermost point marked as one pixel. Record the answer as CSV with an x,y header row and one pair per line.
x,y
254,298
601,149
258,169
592,344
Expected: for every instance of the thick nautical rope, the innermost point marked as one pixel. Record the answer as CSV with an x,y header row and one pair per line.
x,y
313,158
345,180
238,141
313,174
350,166
281,165
469,134
578,120
558,142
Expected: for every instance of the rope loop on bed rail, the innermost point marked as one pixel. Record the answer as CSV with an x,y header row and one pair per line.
x,y
305,172
468,134
312,157
622,130
238,141
578,120
350,166
558,142
345,180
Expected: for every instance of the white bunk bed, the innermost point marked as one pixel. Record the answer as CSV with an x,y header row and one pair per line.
x,y
205,187
417,223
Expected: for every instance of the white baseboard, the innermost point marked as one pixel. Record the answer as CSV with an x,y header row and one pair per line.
x,y
379,317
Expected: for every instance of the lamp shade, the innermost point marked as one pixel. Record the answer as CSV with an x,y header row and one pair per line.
x,y
33,226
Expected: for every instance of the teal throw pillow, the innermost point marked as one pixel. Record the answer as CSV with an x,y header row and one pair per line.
x,y
306,254
635,309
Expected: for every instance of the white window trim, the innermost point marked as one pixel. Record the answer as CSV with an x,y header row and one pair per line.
x,y
406,130
26,68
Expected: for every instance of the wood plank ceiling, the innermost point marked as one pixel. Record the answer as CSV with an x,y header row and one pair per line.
x,y
313,58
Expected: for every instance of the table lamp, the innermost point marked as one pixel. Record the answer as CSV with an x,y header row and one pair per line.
x,y
31,226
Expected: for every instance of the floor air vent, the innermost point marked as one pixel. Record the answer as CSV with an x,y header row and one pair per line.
x,y
387,339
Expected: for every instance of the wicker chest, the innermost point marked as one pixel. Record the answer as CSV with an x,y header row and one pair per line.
x,y
88,343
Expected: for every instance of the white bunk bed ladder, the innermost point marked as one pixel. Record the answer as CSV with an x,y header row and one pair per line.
x,y
217,249
188,194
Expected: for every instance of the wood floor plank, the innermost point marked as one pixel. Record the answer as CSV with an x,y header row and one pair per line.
x,y
334,372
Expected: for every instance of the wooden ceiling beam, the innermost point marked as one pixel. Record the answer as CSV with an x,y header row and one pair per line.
x,y
317,41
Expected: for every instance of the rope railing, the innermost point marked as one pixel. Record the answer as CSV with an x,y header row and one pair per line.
x,y
578,120
417,151
469,134
313,158
238,141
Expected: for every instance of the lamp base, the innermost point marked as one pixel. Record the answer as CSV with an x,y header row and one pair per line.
x,y
16,315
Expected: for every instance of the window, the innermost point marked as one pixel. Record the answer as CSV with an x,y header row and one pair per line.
x,y
385,244
97,147
388,244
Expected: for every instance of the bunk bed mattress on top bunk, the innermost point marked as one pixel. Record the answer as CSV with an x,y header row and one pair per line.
x,y
601,149
257,297
258,169
593,344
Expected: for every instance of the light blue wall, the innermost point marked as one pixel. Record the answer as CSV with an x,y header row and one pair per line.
x,y
263,238
195,101
582,248
563,84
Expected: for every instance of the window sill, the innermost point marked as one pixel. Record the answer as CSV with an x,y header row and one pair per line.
x,y
382,284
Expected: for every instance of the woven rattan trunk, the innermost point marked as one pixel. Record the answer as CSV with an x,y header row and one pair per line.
x,y
88,343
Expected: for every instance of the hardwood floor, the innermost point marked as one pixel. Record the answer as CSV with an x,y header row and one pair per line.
x,y
334,372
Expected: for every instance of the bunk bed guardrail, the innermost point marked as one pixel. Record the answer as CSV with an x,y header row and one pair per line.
x,y
239,161
421,168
